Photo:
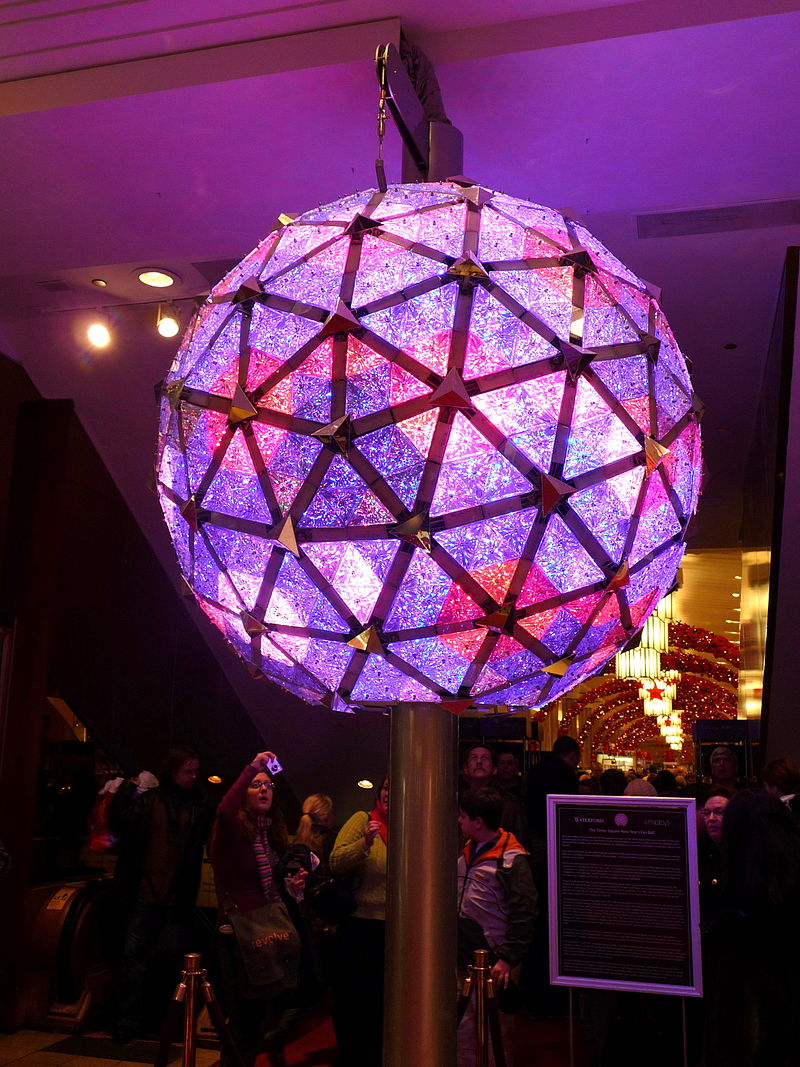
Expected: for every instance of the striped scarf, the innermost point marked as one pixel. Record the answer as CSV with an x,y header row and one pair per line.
x,y
264,854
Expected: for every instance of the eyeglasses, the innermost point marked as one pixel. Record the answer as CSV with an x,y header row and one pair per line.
x,y
260,785
708,813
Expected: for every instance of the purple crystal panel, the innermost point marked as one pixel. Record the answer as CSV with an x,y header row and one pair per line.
x,y
498,340
598,436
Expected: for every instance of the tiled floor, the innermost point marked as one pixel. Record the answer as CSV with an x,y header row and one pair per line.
x,y
538,1044
29,1048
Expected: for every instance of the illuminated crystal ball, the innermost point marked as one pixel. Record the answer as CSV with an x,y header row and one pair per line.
x,y
429,444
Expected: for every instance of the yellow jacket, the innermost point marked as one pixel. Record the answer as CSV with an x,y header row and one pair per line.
x,y
348,858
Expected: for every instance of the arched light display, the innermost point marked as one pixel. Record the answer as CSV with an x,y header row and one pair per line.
x,y
429,444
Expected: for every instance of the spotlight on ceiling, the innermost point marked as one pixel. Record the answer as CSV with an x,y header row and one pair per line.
x,y
214,779
101,283
157,277
365,783
99,334
167,322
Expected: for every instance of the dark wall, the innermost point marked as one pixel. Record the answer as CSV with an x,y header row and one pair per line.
x,y
780,736
123,653
15,388
138,663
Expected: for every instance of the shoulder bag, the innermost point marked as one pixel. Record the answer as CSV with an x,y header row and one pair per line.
x,y
269,946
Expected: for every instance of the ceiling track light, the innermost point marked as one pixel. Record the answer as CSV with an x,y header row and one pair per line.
x,y
167,321
98,333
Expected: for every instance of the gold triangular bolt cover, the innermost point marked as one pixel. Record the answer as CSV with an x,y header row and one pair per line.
x,y
249,289
241,408
338,433
252,627
285,218
283,534
468,267
368,641
360,224
634,642
560,667
576,359
698,407
553,492
254,672
414,531
654,453
189,512
451,393
651,345
173,393
621,578
496,620
340,320
580,259
478,195
456,707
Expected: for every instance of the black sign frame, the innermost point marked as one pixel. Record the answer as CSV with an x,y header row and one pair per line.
x,y
601,899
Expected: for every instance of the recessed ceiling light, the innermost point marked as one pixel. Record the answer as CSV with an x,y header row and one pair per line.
x,y
732,620
214,779
365,783
736,594
737,609
737,576
101,283
157,277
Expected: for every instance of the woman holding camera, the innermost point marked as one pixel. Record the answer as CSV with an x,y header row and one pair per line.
x,y
248,840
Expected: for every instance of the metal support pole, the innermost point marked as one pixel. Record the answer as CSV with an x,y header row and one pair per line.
x,y
685,1033
420,1002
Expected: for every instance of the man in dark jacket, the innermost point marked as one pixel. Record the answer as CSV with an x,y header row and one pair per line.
x,y
555,774
479,771
161,834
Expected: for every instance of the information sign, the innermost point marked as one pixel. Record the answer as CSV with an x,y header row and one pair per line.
x,y
623,892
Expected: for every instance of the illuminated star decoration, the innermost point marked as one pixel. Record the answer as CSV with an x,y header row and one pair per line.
x,y
430,444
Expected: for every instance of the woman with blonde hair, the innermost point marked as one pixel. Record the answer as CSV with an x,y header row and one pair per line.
x,y
315,830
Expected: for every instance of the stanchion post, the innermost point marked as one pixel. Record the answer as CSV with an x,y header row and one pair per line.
x,y
419,1016
192,975
480,968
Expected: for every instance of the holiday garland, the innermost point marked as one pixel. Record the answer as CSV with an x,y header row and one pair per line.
x,y
707,690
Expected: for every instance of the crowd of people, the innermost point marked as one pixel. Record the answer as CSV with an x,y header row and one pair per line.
x,y
320,895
